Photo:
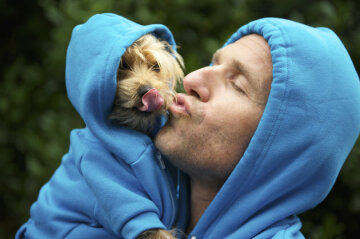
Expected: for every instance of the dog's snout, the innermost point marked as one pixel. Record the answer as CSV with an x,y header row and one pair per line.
x,y
143,90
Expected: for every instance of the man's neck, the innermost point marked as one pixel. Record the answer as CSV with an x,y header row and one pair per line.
x,y
202,193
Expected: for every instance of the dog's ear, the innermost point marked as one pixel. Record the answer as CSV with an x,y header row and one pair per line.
x,y
180,61
177,56
168,48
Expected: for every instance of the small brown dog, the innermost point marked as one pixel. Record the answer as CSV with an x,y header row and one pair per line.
x,y
147,77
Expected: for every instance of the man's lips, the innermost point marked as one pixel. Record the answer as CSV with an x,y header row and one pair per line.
x,y
180,106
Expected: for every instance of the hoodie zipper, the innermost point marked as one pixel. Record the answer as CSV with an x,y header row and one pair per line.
x,y
163,170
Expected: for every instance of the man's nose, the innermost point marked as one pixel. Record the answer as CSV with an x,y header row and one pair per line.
x,y
197,83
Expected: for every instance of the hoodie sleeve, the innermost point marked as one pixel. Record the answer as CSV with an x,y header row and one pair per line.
x,y
123,206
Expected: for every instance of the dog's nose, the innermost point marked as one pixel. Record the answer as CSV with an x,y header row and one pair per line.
x,y
143,90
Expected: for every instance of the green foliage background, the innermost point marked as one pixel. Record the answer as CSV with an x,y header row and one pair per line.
x,y
36,116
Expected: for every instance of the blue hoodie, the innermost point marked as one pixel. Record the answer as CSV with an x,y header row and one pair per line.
x,y
112,183
309,126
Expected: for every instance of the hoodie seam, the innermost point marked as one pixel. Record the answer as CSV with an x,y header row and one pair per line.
x,y
146,146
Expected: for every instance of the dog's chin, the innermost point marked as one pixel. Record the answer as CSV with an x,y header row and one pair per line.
x,y
135,119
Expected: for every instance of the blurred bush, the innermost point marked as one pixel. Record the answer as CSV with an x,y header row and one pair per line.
x,y
36,116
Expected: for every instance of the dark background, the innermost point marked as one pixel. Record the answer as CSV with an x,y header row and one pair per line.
x,y
36,116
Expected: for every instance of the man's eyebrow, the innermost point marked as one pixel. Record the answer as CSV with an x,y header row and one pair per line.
x,y
239,66
244,70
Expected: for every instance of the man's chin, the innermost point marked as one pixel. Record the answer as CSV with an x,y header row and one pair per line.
x,y
169,123
161,134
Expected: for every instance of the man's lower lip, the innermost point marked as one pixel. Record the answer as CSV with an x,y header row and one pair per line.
x,y
178,110
180,105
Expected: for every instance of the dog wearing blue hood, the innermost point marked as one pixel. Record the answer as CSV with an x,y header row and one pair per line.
x,y
147,76
121,77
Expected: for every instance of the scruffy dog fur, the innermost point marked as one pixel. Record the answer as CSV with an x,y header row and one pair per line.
x,y
148,64
147,76
157,234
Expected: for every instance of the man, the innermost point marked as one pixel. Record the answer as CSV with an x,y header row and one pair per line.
x,y
257,157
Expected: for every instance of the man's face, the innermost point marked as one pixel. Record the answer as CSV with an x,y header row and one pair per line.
x,y
211,126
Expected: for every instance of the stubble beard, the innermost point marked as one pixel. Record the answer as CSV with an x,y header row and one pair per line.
x,y
197,153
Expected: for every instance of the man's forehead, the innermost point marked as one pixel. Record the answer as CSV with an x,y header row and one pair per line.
x,y
253,45
257,39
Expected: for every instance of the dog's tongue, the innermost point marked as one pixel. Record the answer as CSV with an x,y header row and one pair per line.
x,y
152,100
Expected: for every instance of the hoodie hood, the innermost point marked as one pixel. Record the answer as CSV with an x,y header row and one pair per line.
x,y
93,57
309,126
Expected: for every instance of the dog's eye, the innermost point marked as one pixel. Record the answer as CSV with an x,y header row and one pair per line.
x,y
155,68
124,65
